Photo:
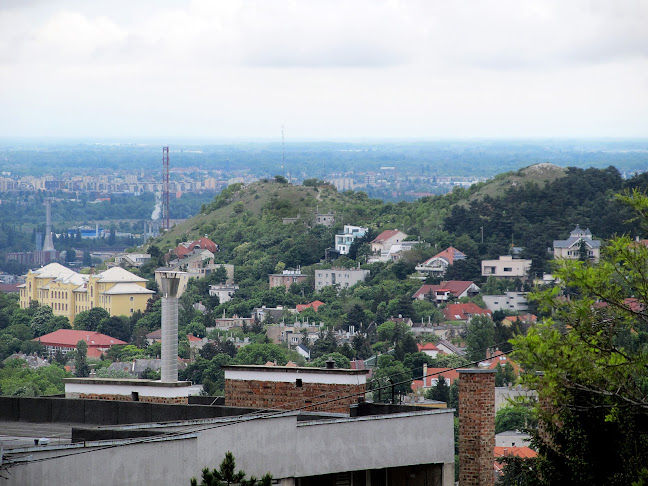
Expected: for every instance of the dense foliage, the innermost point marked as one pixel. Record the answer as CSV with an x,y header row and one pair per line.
x,y
593,357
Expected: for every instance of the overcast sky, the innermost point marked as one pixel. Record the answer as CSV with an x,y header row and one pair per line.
x,y
325,69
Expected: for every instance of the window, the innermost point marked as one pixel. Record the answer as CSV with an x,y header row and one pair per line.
x,y
131,299
298,383
508,269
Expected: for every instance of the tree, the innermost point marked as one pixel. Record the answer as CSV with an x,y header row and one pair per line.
x,y
89,320
70,255
260,354
116,326
390,375
226,475
81,364
439,392
593,366
480,336
518,416
340,360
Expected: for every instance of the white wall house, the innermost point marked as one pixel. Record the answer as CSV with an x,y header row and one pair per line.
x,y
506,267
344,241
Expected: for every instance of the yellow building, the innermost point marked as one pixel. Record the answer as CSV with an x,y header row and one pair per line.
x,y
118,291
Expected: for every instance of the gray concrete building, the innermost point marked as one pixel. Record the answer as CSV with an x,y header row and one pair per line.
x,y
340,277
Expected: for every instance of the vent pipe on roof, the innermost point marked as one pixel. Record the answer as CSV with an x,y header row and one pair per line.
x,y
330,364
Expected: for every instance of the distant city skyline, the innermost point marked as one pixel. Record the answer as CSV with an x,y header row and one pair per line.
x,y
325,70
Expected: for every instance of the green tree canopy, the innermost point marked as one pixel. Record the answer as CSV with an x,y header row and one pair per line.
x,y
592,361
480,336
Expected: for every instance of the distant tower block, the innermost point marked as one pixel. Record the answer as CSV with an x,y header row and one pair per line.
x,y
165,188
170,281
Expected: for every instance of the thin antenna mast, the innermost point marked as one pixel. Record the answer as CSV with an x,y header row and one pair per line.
x,y
283,153
165,188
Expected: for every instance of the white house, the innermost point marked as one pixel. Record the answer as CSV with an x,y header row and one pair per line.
x,y
344,241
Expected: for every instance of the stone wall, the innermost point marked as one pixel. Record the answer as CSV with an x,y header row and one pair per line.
x,y
476,427
289,396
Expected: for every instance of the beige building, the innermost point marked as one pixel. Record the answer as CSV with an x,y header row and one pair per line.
x,y
116,290
506,267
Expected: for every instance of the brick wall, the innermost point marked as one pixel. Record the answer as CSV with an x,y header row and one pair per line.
x,y
476,427
129,398
287,395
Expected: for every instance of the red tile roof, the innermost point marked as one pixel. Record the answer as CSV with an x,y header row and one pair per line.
x,y
427,347
205,244
501,360
524,452
9,288
193,338
312,305
522,318
385,235
449,255
463,312
68,338
456,287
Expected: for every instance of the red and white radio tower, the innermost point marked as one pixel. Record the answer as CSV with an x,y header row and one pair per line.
x,y
165,188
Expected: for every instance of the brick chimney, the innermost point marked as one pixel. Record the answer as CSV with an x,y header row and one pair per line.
x,y
476,427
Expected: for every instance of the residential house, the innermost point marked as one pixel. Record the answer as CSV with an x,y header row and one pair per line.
x,y
429,348
439,263
31,360
570,249
224,292
446,290
340,277
293,334
287,278
303,351
275,313
509,301
66,340
506,267
404,320
512,438
154,337
500,452
315,305
464,312
431,376
227,323
446,347
116,290
344,241
184,249
197,268
131,259
382,244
